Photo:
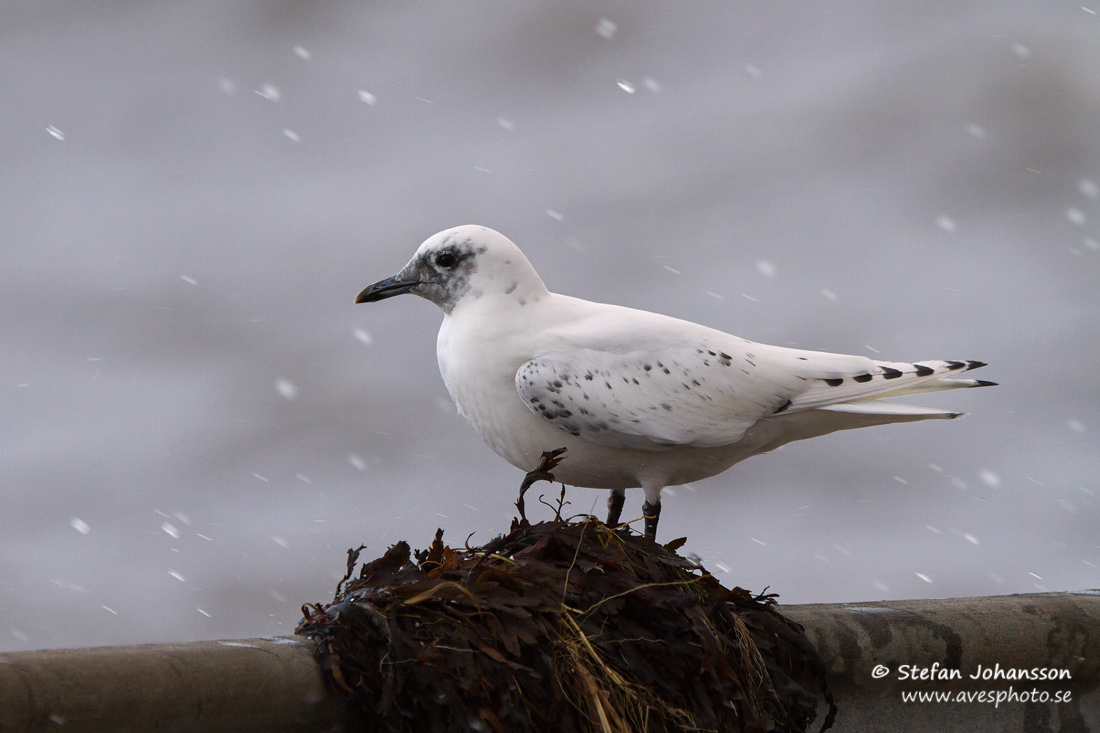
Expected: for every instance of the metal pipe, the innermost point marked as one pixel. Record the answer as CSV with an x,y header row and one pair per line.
x,y
274,684
879,654
269,684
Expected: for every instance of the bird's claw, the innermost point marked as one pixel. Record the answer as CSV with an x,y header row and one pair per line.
x,y
548,462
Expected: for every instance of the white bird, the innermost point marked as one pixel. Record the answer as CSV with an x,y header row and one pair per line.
x,y
637,399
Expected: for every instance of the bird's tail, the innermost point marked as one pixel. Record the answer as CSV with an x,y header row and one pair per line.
x,y
938,381
858,400
863,393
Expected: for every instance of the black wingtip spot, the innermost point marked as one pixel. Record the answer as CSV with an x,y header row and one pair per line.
x,y
924,371
863,378
888,373
975,364
836,382
985,383
954,365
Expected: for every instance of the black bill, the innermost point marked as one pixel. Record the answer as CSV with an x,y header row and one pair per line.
x,y
383,289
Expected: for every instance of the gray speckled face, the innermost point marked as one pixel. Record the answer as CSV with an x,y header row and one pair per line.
x,y
462,265
443,270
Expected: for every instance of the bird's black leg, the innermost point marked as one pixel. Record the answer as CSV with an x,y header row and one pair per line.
x,y
550,459
615,506
652,512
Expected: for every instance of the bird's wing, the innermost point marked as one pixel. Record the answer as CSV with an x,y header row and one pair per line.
x,y
884,380
649,382
626,378
647,401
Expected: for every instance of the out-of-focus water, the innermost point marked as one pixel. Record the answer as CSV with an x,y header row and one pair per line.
x,y
196,422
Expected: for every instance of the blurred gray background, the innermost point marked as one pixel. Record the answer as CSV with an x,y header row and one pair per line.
x,y
197,422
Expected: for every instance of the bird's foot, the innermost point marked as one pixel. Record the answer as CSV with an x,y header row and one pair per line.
x,y
548,462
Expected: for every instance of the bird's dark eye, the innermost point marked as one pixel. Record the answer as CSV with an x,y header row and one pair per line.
x,y
446,260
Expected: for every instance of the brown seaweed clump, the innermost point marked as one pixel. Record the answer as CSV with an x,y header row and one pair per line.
x,y
560,626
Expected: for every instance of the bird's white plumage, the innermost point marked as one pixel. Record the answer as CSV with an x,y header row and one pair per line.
x,y
636,398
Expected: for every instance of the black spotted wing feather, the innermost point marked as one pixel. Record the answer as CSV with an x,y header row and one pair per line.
x,y
690,396
885,380
650,382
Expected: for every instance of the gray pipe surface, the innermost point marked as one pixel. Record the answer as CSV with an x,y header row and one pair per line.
x,y
246,685
950,641
274,684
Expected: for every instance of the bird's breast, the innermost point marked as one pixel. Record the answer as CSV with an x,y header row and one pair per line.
x,y
479,371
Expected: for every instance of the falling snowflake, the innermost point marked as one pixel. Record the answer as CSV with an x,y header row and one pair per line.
x,y
991,479
270,92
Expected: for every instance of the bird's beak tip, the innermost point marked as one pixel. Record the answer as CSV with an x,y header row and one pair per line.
x,y
383,289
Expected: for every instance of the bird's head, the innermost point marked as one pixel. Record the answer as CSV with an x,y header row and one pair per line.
x,y
462,265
